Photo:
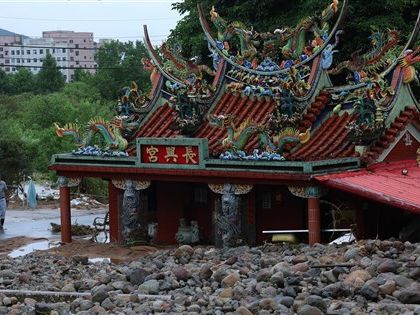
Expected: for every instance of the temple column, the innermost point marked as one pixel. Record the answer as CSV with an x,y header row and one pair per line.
x,y
65,215
129,218
228,214
65,209
312,193
314,221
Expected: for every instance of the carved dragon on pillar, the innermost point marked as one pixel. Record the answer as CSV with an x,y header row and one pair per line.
x,y
130,223
228,221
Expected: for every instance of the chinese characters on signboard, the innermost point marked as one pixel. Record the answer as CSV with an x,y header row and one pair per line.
x,y
170,154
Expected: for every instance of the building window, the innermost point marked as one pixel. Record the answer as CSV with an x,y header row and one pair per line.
x,y
200,194
17,52
64,50
71,50
77,53
28,60
1,48
13,69
7,69
6,53
28,51
266,200
34,51
58,58
35,60
41,51
77,62
13,52
72,77
22,52
7,61
77,45
71,58
53,50
71,41
64,58
18,60
47,51
1,56
65,77
13,60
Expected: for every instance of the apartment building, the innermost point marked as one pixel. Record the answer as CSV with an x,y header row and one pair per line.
x,y
82,49
71,50
32,52
7,38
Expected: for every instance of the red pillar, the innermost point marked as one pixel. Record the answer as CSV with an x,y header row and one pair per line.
x,y
114,218
314,221
65,215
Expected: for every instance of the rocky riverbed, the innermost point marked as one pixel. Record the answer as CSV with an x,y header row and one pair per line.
x,y
369,277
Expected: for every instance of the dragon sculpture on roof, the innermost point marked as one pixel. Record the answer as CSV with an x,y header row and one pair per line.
x,y
271,142
285,43
407,62
110,133
380,56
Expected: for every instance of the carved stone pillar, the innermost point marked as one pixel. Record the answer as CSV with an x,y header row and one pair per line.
x,y
228,216
130,226
65,210
312,193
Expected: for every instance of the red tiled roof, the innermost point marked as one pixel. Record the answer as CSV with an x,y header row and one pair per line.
x,y
384,182
158,124
314,110
409,114
241,107
329,141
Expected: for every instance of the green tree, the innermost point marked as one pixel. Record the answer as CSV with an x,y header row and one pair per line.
x,y
119,64
49,78
16,158
22,81
82,75
4,82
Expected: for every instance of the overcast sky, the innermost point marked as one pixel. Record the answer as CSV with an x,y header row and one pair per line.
x,y
116,19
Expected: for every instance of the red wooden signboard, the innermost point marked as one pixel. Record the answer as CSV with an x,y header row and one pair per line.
x,y
169,154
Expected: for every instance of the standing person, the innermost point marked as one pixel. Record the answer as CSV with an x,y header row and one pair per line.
x,y
3,204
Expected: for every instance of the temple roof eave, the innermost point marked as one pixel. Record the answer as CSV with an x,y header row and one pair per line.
x,y
213,170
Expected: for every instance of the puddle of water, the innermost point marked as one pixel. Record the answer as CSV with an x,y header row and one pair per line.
x,y
47,244
29,248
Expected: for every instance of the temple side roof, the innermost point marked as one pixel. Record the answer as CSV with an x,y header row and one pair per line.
x,y
408,115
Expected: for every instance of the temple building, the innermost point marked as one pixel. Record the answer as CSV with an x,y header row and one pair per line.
x,y
260,144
